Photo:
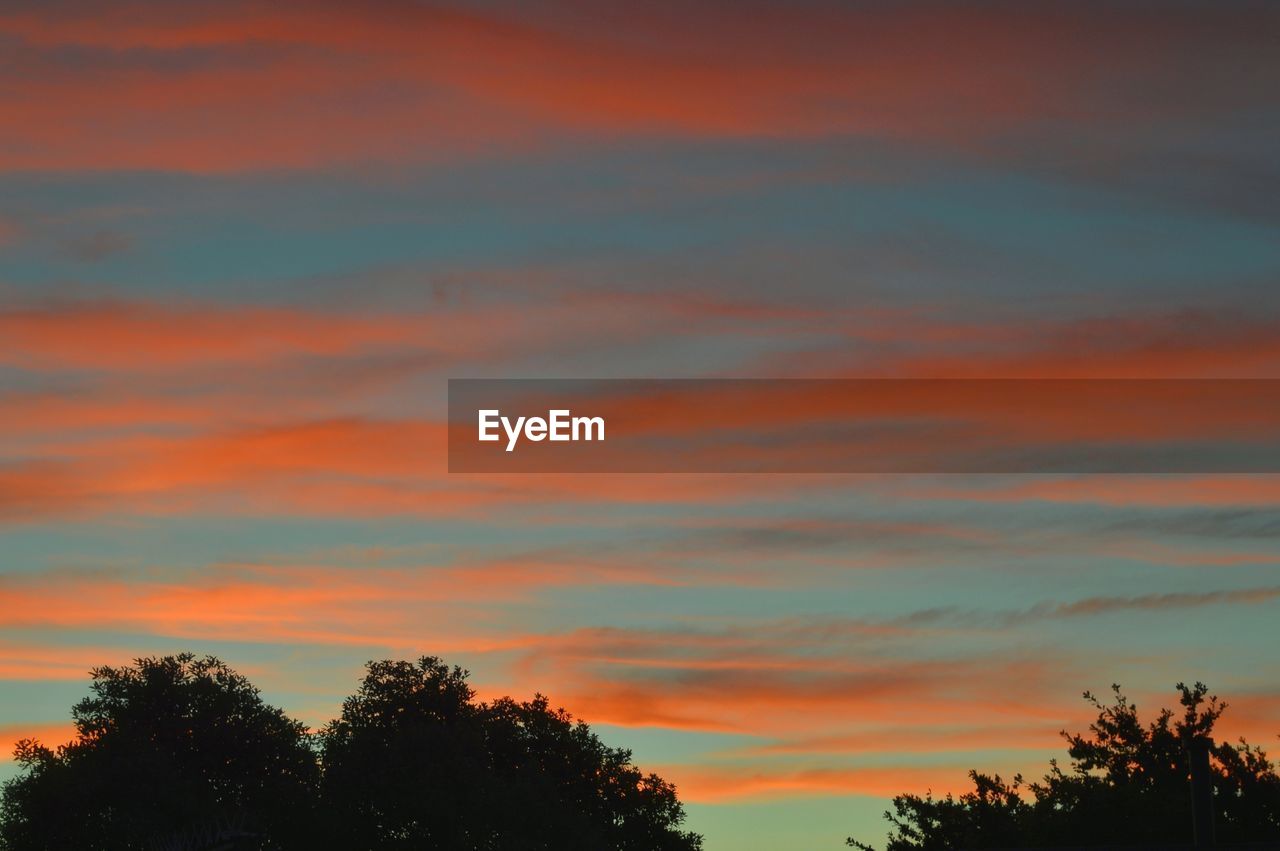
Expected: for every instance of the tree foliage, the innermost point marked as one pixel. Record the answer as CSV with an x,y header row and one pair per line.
x,y
167,752
181,754
1128,783
416,762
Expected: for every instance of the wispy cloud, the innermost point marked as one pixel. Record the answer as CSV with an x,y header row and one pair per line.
x,y
275,87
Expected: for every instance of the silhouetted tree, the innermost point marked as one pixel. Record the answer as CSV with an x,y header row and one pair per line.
x,y
181,754
416,761
1128,784
172,752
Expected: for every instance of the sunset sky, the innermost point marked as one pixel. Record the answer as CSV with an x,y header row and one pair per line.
x,y
244,245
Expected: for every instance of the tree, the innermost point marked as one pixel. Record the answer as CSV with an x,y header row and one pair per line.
x,y
415,761
181,754
171,752
1128,784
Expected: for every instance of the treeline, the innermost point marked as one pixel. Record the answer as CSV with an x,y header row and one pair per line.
x,y
180,753
1127,785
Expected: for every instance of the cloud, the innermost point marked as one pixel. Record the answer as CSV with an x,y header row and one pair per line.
x,y
724,784
153,336
763,677
809,692
980,426
50,735
32,661
1125,491
1182,344
228,87
142,336
778,677
38,489
911,740
923,342
1172,601
362,606
348,467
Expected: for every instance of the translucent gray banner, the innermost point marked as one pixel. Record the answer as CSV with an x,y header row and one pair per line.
x,y
864,425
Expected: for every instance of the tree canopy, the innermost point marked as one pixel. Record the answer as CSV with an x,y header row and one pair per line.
x,y
181,754
1128,784
415,761
168,752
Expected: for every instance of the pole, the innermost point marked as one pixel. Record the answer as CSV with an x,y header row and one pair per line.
x,y
1201,791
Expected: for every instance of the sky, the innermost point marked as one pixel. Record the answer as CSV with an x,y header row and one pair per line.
x,y
244,245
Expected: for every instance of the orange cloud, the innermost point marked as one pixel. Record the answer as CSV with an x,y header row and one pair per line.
x,y
801,767
146,336
34,417
49,735
939,739
878,425
778,678
351,466
772,702
152,434
425,606
264,468
278,86
26,661
1253,714
31,490
719,785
